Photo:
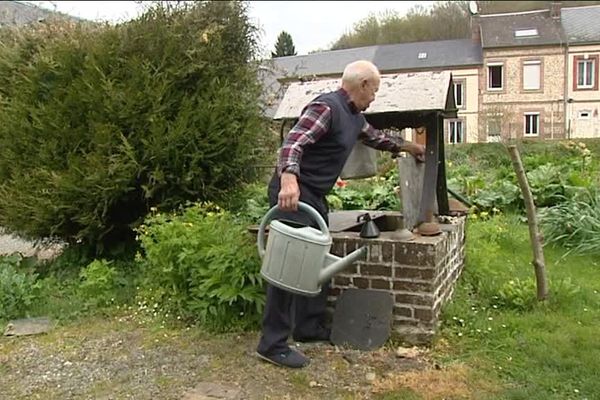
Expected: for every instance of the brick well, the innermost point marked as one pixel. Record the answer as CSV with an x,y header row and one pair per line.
x,y
420,274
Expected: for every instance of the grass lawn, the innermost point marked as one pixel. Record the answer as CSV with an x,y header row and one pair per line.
x,y
494,325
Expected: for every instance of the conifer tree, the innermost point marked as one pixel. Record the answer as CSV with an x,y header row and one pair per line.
x,y
284,46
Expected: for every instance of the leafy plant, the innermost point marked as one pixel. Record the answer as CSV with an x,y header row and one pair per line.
x,y
547,184
376,193
18,289
100,284
200,265
517,294
501,195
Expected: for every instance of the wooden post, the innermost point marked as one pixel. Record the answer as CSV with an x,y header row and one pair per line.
x,y
442,189
538,262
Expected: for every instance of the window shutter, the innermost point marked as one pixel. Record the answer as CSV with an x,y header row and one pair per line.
x,y
531,75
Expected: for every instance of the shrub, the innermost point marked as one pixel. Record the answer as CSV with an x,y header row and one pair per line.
x,y
251,203
17,288
202,266
99,123
100,284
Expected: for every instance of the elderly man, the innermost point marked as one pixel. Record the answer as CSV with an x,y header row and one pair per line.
x,y
310,161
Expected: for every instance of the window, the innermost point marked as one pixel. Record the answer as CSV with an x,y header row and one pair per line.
x,y
585,73
526,33
584,114
494,127
455,131
532,124
495,76
459,94
531,75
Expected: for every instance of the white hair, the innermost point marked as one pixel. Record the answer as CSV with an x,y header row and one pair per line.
x,y
357,71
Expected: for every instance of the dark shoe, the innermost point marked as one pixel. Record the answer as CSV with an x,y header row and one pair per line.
x,y
289,358
322,336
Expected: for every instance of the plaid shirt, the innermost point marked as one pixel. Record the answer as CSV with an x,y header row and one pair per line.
x,y
313,124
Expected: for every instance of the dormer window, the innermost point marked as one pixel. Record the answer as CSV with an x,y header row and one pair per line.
x,y
422,56
524,33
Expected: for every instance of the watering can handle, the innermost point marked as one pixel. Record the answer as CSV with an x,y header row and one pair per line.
x,y
269,215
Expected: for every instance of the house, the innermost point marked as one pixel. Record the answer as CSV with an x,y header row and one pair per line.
x,y
582,30
461,57
522,83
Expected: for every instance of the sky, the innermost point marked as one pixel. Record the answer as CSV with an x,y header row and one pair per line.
x,y
313,25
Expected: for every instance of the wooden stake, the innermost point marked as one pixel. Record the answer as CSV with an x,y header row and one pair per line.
x,y
538,262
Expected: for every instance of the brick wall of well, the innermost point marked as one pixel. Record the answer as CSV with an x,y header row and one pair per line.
x,y
420,274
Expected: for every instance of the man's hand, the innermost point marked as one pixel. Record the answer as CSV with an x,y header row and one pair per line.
x,y
287,200
417,150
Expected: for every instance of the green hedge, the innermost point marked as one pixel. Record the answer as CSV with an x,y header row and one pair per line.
x,y
100,123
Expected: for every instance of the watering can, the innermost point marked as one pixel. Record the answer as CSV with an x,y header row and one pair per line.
x,y
298,259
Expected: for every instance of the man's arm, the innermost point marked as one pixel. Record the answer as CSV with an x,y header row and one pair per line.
x,y
312,125
378,140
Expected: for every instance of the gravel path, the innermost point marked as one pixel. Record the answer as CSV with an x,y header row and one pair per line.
x,y
10,244
121,357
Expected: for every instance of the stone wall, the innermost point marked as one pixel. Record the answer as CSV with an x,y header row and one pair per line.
x,y
420,274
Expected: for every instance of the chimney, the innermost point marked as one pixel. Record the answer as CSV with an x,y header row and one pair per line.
x,y
475,29
555,9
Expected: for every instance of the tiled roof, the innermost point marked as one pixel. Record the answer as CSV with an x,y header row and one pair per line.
x,y
434,54
323,63
581,24
391,57
442,54
498,30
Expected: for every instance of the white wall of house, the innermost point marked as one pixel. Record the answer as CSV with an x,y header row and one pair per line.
x,y
468,106
583,109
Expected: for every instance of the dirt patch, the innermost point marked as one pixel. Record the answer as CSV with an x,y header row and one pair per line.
x,y
121,358
451,382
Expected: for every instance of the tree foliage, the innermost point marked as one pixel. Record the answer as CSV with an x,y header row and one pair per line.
x,y
284,46
445,20
101,123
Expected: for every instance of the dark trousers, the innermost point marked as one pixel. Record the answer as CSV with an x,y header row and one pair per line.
x,y
286,312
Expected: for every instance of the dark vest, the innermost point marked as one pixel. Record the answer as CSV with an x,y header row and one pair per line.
x,y
322,162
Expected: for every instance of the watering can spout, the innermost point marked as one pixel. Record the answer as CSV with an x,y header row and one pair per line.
x,y
335,264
